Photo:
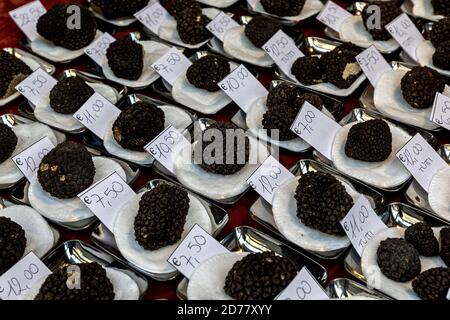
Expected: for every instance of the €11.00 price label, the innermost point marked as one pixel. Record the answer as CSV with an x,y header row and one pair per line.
x,y
27,16
221,24
333,15
98,48
153,16
373,64
171,65
303,287
441,111
197,247
36,86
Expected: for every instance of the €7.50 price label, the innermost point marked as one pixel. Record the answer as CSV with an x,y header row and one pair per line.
x,y
303,287
171,65
373,64
36,86
27,16
98,48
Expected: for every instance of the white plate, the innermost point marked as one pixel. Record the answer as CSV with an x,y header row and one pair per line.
x,y
424,55
439,193
120,22
218,3
310,8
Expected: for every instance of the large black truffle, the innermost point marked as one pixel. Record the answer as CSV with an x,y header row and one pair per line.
x,y
283,8
398,259
8,142
441,57
432,284
308,70
12,72
421,236
369,141
161,217
260,29
419,86
12,243
56,26
66,170
126,58
259,276
191,26
69,94
311,98
280,96
179,6
389,10
322,202
445,245
61,285
137,125
440,31
207,71
113,9
441,7
280,119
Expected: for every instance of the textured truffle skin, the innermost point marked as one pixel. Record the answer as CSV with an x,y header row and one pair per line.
x,y
137,125
114,9
8,142
441,7
66,170
126,59
12,243
312,98
441,57
440,31
432,284
398,259
308,70
445,245
69,95
12,71
283,8
259,276
191,26
54,27
207,71
94,284
281,119
161,217
179,6
260,29
369,141
419,86
421,236
388,12
280,96
322,202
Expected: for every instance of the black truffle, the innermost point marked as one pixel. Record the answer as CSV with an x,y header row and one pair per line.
x,y
280,96
398,259
322,202
283,8
432,284
137,125
260,29
9,142
441,57
311,98
179,6
441,7
191,26
12,72
445,245
388,12
440,31
308,70
421,236
419,86
55,26
126,58
259,276
161,217
69,94
94,284
281,119
66,170
207,71
12,243
114,9
369,141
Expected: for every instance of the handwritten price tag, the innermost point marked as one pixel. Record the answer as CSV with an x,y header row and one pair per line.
x,y
165,147
15,283
27,16
106,197
421,160
441,111
29,159
221,24
303,287
242,87
96,114
171,65
316,128
268,177
333,15
197,247
36,86
373,64
361,223
97,49
403,30
153,16
282,49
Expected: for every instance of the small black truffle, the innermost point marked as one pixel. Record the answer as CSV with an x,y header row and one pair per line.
x,y
308,70
441,7
126,58
283,8
69,94
179,6
12,72
441,57
432,284
12,243
114,9
280,96
440,31
445,245
260,29
9,142
191,26
421,236
207,71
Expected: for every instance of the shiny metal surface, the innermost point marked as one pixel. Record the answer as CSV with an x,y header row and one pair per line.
x,y
342,288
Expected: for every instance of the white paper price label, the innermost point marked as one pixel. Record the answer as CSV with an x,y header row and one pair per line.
x,y
316,129
197,247
403,30
441,111
303,287
282,49
253,3
242,87
96,114
166,146
105,197
333,15
268,177
153,16
27,16
29,159
97,49
373,64
221,24
421,160
36,86
171,65
17,281
361,223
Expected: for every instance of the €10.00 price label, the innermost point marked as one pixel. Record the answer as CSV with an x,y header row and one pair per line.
x,y
303,287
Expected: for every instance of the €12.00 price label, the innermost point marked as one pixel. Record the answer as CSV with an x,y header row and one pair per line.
x,y
27,16
36,86
303,287
441,111
98,48
153,16
333,15
373,64
171,65
221,24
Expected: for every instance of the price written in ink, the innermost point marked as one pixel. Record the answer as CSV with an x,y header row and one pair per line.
x,y
171,65
153,16
27,16
36,86
421,160
333,15
98,48
29,159
303,287
197,247
221,24
441,111
373,64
